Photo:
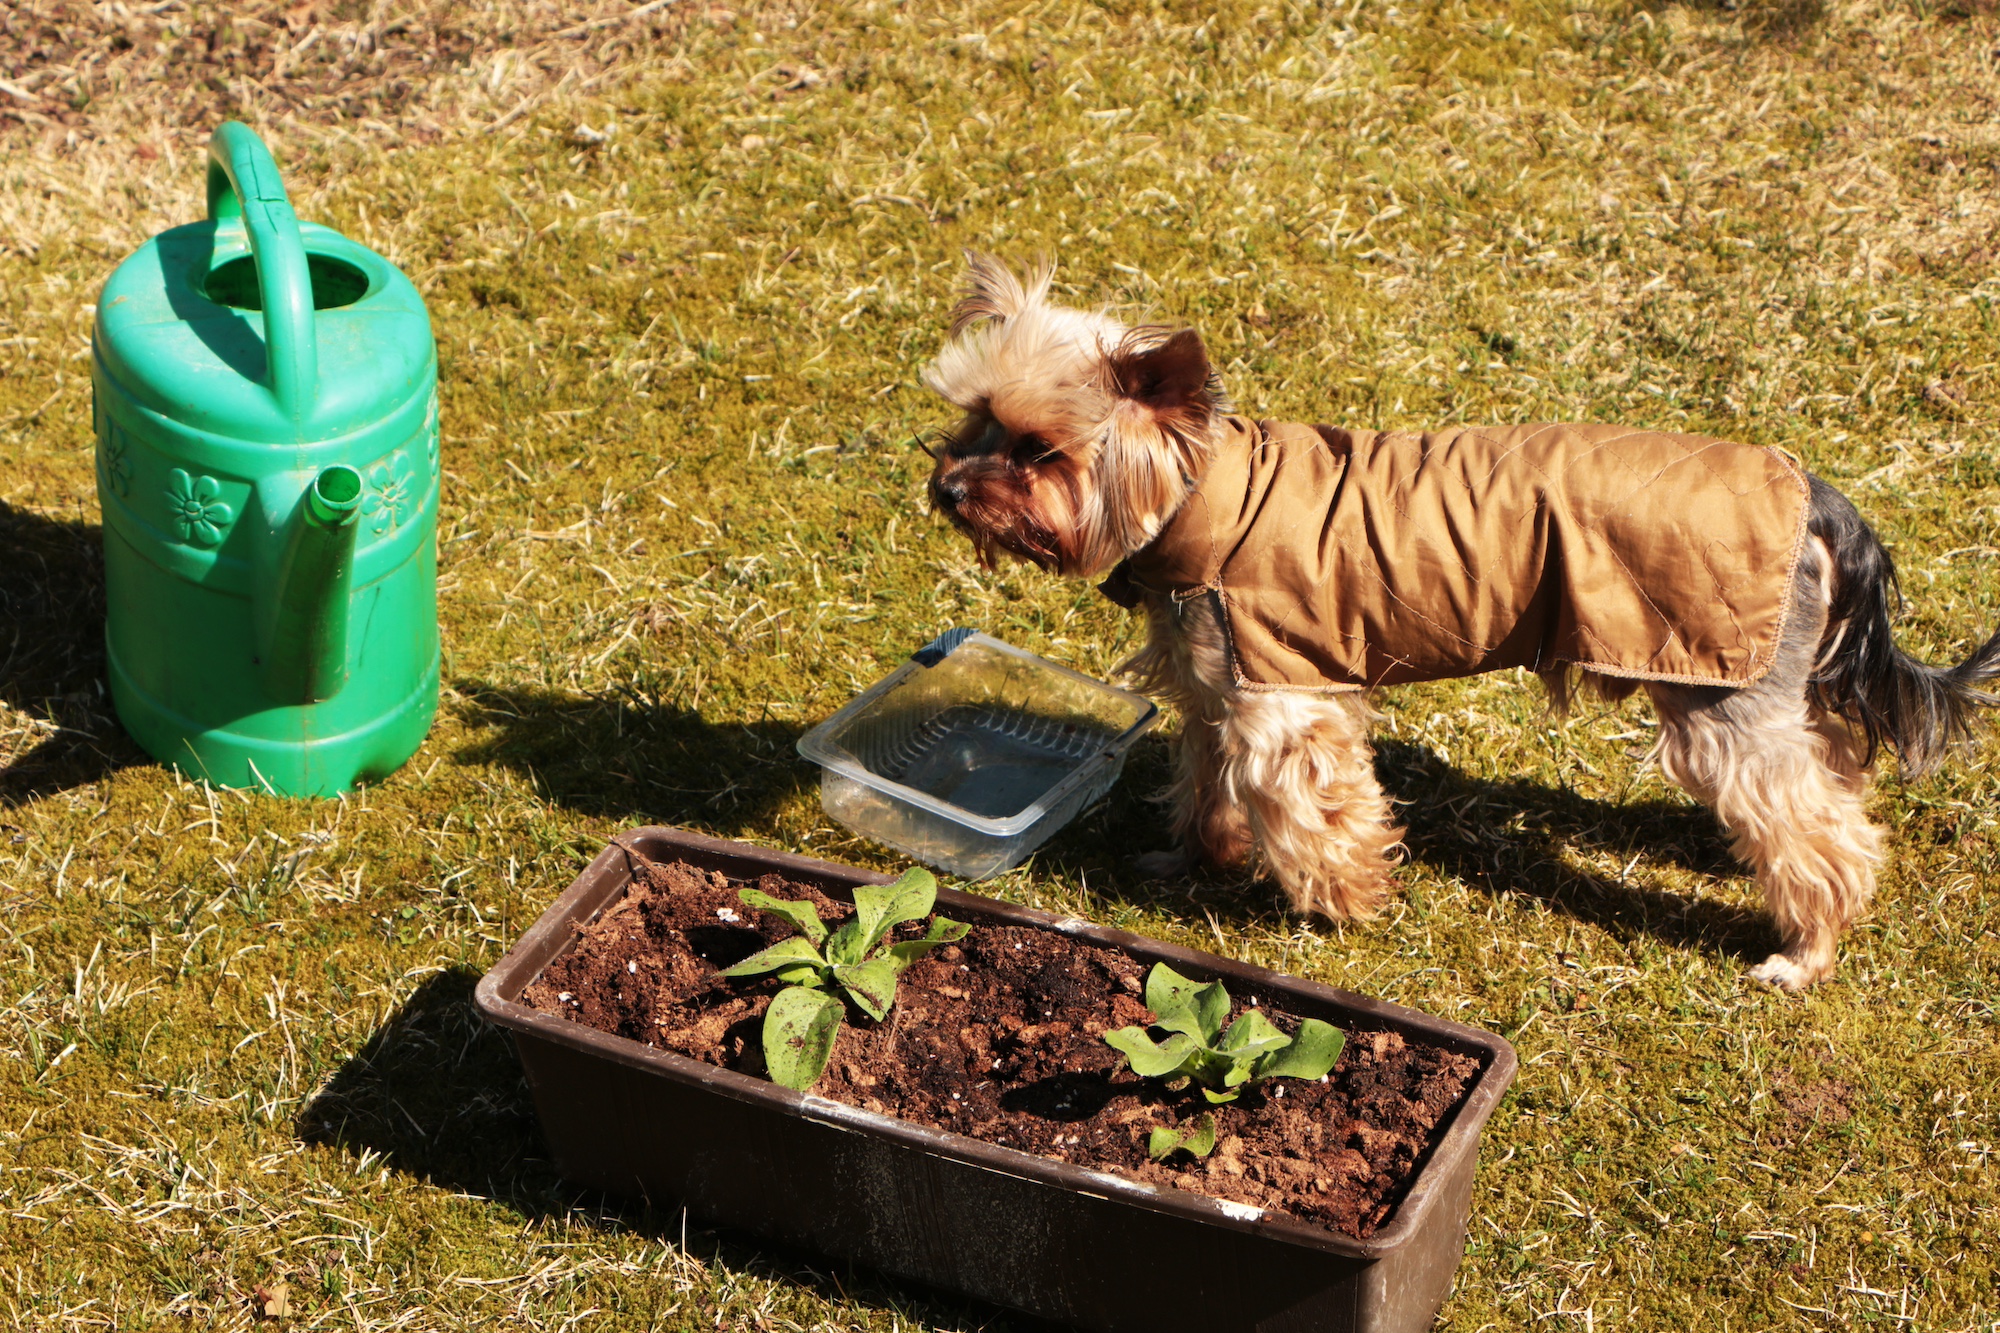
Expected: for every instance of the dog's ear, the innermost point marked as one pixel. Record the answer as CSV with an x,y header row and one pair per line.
x,y
1171,379
1165,399
1167,374
993,292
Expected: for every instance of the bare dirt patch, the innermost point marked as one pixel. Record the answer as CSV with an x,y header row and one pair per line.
x,y
71,70
1812,1104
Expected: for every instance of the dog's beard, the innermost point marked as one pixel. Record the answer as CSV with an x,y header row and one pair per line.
x,y
1022,513
1077,512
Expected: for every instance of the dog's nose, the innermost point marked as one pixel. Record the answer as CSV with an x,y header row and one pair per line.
x,y
949,494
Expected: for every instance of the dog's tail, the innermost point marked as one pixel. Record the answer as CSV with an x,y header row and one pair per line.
x,y
1920,710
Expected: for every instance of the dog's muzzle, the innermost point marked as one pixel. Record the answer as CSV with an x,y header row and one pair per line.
x,y
947,496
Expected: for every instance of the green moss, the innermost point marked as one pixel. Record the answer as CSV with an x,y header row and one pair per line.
x,y
682,522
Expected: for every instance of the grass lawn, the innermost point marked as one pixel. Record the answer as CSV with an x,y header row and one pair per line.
x,y
684,269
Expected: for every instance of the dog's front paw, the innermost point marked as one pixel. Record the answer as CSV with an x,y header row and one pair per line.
x,y
1163,865
1785,973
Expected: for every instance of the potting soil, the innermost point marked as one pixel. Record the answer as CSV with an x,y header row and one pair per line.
x,y
1001,1037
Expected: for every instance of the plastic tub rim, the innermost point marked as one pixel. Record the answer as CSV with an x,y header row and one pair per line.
x,y
817,746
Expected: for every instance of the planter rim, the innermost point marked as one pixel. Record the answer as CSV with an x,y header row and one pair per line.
x,y
496,998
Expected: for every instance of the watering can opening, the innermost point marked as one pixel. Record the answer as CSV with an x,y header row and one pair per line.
x,y
333,495
335,283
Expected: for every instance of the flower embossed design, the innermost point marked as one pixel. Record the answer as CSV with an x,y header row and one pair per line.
x,y
196,507
117,467
431,437
392,494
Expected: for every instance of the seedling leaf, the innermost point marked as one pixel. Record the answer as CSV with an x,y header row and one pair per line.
x,y
799,914
942,931
803,1020
846,944
1220,1062
1168,992
1200,1141
872,984
785,953
1186,1006
799,1031
1211,1004
880,908
1251,1035
1311,1054
1151,1059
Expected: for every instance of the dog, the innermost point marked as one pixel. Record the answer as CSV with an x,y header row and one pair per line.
x,y
1285,570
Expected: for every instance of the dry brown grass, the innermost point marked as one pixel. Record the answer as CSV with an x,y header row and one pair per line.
x,y
682,521
79,72
102,103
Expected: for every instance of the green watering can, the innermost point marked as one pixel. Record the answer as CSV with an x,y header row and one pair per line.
x,y
267,460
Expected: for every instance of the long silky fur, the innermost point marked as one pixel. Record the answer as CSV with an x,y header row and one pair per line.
x,y
1284,779
1783,778
1281,780
1922,711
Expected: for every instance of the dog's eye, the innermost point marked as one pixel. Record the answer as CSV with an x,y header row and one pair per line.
x,y
976,439
1035,449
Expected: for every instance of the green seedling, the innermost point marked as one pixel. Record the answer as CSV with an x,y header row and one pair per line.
x,y
1161,1143
804,1018
1222,1061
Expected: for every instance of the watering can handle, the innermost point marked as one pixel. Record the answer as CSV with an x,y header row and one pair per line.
x,y
243,182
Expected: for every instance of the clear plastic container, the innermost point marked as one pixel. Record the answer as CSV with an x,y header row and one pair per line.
x,y
971,754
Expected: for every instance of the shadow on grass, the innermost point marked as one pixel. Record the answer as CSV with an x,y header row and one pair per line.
x,y
1497,835
1769,21
632,759
1508,836
437,1094
52,655
639,762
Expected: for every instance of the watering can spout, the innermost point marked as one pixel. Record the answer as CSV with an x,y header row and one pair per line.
x,y
305,654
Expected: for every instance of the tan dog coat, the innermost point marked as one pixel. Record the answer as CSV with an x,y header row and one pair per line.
x,y
1347,559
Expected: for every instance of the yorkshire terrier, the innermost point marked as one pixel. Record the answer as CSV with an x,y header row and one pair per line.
x,y
1284,570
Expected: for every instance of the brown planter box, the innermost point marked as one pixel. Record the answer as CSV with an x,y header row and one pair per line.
x,y
1077,1246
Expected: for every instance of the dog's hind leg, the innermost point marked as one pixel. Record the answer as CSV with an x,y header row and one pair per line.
x,y
1788,786
1846,749
1303,771
1792,816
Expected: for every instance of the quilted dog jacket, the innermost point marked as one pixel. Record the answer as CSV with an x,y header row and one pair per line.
x,y
1347,559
